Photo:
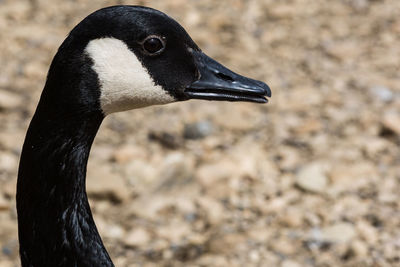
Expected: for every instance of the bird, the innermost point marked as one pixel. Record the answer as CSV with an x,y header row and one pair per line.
x,y
118,58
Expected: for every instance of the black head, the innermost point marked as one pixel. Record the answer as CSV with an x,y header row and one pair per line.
x,y
143,57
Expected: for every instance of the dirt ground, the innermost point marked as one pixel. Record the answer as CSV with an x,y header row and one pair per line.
x,y
310,179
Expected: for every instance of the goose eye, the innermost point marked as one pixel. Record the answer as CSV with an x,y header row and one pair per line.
x,y
153,45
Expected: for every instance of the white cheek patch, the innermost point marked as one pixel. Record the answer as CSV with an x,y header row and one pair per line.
x,y
124,82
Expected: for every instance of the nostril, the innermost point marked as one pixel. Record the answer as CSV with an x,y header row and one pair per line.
x,y
224,77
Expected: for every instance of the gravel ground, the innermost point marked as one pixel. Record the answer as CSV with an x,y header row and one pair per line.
x,y
311,179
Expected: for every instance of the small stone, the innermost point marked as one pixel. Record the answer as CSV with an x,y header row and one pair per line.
x,y
104,184
127,153
312,178
198,130
175,233
114,232
167,254
137,237
9,100
215,211
166,139
8,162
282,11
290,263
254,256
359,248
382,93
260,234
9,189
11,140
4,205
289,158
141,173
197,239
274,205
292,218
213,260
102,152
359,5
338,233
387,192
309,126
391,120
374,145
176,169
367,232
237,119
226,243
33,70
7,263
9,248
121,261
341,50
284,246
312,219
210,174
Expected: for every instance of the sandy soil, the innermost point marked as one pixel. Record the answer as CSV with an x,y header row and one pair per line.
x,y
311,179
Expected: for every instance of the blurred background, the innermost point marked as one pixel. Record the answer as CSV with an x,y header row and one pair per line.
x,y
310,179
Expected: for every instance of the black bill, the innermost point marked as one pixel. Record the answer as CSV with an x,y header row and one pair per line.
x,y
217,82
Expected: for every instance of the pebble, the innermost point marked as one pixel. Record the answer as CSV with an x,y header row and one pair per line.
x,y
9,100
213,260
289,158
138,237
104,184
254,256
166,139
210,174
198,130
11,140
114,231
9,189
175,233
127,153
367,232
382,93
343,51
312,178
261,234
141,173
359,248
391,120
341,232
283,246
175,170
226,243
292,218
8,162
290,263
214,209
7,263
4,204
237,120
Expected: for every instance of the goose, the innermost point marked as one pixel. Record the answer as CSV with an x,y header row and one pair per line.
x,y
117,58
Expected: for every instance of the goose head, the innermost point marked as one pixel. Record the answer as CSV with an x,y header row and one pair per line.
x,y
116,59
138,57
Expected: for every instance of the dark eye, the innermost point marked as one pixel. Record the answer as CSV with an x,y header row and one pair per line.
x,y
153,45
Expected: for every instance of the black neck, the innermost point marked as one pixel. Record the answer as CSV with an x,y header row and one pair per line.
x,y
55,223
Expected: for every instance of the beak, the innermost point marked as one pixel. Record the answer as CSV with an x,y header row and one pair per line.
x,y
217,82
